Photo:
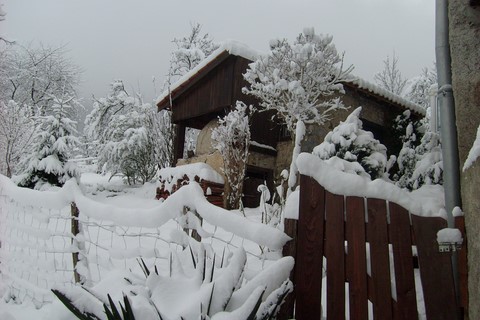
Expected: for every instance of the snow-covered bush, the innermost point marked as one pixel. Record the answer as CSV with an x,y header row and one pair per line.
x,y
53,142
232,138
352,149
202,288
125,129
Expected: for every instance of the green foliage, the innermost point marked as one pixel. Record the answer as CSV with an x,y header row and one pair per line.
x,y
73,309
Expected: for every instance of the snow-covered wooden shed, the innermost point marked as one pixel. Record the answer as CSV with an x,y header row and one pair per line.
x,y
213,87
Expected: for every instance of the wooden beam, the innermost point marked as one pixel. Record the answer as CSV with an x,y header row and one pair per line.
x,y
178,143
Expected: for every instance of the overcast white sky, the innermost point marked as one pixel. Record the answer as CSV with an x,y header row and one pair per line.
x,y
131,39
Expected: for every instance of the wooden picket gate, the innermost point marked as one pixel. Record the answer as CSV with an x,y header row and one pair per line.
x,y
362,241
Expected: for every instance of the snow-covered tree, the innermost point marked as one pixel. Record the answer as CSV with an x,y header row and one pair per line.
x,y
232,138
124,129
353,149
406,159
16,131
161,127
418,88
300,80
429,166
35,76
188,53
390,78
54,139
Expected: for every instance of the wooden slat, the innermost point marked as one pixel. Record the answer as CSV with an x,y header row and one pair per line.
x,y
356,258
400,237
379,257
308,270
435,269
462,264
335,253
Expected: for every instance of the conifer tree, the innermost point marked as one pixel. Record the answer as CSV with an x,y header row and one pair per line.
x,y
54,139
354,149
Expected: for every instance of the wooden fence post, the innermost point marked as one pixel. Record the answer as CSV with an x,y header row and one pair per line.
x,y
75,231
309,255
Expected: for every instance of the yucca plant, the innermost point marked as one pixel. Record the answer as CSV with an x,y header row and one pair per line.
x,y
215,290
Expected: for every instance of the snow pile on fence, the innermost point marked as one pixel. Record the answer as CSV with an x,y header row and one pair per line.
x,y
426,201
37,242
201,170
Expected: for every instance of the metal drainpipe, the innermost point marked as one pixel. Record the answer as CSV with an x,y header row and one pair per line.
x,y
448,129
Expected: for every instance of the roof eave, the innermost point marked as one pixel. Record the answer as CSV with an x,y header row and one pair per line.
x,y
408,105
167,101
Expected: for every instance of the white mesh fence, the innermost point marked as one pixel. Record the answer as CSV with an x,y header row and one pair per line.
x,y
37,244
36,250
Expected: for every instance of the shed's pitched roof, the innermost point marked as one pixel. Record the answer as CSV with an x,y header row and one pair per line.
x,y
225,50
236,48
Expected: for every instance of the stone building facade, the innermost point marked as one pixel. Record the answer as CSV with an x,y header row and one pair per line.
x,y
464,33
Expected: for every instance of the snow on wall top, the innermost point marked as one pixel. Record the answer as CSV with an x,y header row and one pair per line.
x,y
426,201
236,48
199,169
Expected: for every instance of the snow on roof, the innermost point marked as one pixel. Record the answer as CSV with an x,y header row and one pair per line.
x,y
364,84
232,47
236,48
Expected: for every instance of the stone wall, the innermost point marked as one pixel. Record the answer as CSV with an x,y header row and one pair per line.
x,y
464,32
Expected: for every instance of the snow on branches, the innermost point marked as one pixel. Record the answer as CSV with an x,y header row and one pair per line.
x,y
123,128
189,52
53,142
420,158
232,138
298,80
352,149
16,133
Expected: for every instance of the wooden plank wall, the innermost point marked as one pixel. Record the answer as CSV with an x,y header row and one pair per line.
x,y
369,249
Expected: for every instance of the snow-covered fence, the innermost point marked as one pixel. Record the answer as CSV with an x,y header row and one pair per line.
x,y
361,254
36,248
39,246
